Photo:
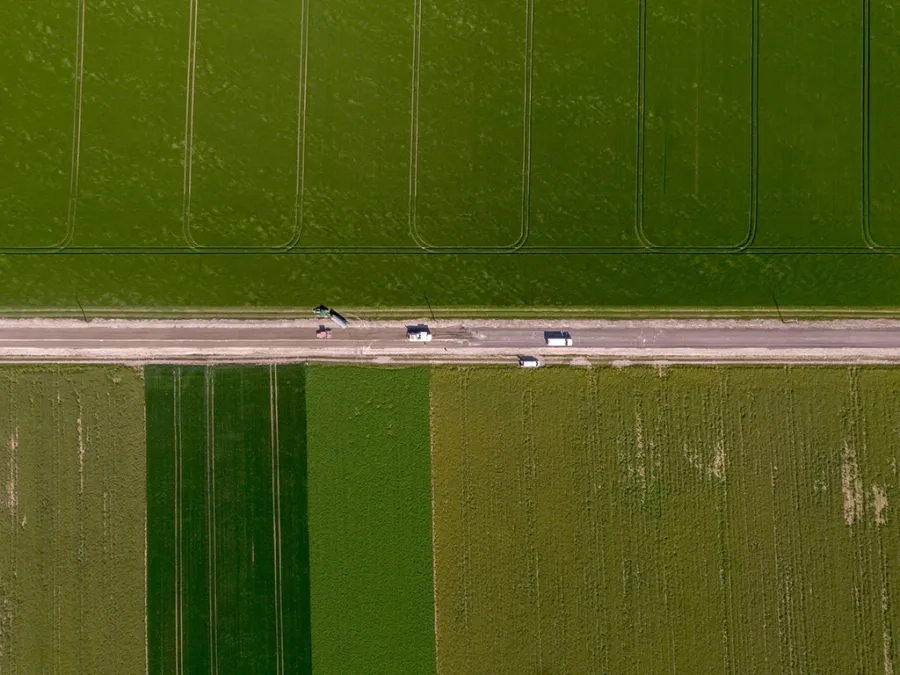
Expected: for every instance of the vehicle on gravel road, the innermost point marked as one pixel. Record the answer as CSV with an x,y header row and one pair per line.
x,y
557,339
418,333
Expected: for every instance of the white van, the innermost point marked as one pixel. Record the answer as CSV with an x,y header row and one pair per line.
x,y
557,339
528,362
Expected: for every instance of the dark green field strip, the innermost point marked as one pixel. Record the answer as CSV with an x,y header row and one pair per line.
x,y
697,123
884,131
356,149
195,587
584,124
178,545
161,574
246,612
228,559
244,113
470,115
370,521
810,125
38,62
131,178
293,631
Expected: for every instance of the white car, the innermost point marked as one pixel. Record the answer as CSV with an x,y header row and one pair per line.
x,y
418,333
528,362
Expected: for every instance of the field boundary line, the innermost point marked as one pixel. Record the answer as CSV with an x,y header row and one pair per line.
x,y
276,518
211,516
528,424
639,144
179,617
414,125
416,250
12,505
466,499
82,539
76,131
434,572
296,227
189,124
887,637
505,313
750,235
210,533
527,106
868,238
278,502
524,224
301,124
57,585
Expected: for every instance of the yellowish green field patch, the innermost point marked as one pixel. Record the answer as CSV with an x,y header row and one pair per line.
x,y
687,520
72,521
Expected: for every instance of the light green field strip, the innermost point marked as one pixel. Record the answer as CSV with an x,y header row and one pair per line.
x,y
471,115
72,566
884,132
356,158
810,125
688,520
698,106
131,179
370,565
38,59
584,124
244,131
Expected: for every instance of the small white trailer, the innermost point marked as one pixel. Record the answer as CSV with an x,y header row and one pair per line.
x,y
557,339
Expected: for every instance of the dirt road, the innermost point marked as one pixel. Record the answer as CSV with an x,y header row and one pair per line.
x,y
482,341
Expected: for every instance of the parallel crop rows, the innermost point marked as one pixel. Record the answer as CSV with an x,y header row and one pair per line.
x,y
227,523
72,563
704,521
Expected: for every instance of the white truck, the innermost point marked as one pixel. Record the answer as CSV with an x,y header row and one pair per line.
x,y
554,338
418,333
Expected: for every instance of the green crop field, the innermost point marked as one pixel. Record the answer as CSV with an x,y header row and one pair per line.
x,y
237,578
671,153
72,561
226,500
331,519
731,520
370,521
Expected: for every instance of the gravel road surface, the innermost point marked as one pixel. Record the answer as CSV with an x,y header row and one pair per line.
x,y
481,341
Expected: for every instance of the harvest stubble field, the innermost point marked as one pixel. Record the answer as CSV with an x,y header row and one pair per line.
x,y
722,520
172,157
